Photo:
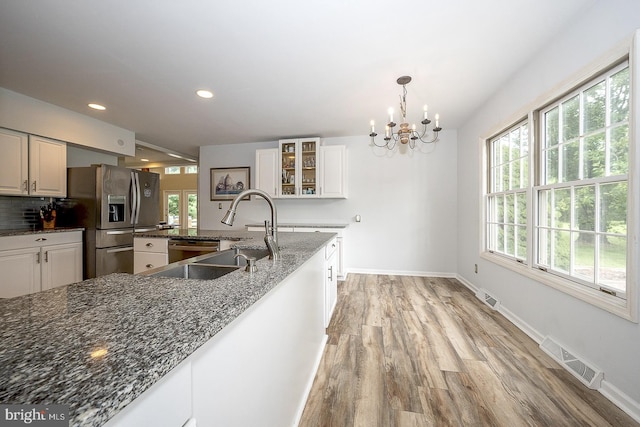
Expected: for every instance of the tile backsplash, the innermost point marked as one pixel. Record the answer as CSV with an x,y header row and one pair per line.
x,y
21,213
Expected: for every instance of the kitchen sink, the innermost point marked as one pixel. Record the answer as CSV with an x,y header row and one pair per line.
x,y
227,258
196,271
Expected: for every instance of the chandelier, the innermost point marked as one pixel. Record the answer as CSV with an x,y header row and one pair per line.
x,y
405,134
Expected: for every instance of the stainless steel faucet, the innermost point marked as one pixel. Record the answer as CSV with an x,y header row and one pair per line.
x,y
271,232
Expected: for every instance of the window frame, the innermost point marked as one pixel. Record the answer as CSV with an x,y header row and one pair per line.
x,y
625,308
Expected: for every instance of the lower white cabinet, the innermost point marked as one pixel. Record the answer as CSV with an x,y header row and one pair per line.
x,y
330,280
38,262
149,253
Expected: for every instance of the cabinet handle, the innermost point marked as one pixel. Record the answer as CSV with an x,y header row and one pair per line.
x,y
331,273
34,186
149,245
46,256
149,265
41,239
26,185
38,258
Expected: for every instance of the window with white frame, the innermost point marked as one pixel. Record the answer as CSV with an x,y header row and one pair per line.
x,y
582,193
172,170
568,227
507,193
190,169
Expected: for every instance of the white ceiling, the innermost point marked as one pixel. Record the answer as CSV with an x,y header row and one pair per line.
x,y
279,68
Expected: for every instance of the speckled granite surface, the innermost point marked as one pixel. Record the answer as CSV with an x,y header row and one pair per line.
x,y
26,232
303,225
98,344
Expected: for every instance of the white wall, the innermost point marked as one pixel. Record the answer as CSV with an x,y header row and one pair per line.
x,y
406,200
605,340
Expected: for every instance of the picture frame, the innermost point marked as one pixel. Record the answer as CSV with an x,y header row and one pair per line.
x,y
227,183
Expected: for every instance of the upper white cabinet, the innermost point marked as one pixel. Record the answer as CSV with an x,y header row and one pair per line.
x,y
298,162
302,168
333,171
267,171
32,165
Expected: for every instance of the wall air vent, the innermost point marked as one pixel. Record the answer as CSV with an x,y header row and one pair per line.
x,y
484,296
589,376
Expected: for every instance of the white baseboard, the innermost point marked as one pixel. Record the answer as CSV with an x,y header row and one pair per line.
x,y
402,273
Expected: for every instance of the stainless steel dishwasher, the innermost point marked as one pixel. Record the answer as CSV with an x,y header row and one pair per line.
x,y
180,249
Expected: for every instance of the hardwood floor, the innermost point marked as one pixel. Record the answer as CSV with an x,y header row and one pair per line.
x,y
414,351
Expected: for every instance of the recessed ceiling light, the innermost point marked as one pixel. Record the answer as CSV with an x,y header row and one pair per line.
x,y
202,93
144,160
97,107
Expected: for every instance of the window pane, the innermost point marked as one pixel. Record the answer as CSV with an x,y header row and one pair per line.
x,y
585,208
172,170
551,166
561,249
524,172
619,151
584,260
571,118
524,140
173,209
544,202
192,209
594,156
510,240
515,175
613,262
521,239
551,127
506,176
570,161
504,150
562,208
521,208
514,139
500,238
613,208
544,245
496,179
510,208
594,107
499,209
620,96
191,169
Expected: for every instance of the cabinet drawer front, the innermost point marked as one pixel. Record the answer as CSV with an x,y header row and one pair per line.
x,y
36,240
143,261
143,244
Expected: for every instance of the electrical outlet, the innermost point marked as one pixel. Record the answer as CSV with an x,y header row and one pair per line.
x,y
475,268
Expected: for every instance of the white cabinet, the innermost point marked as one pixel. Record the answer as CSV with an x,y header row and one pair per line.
x,y
298,163
302,168
35,262
32,165
149,253
333,171
330,280
267,171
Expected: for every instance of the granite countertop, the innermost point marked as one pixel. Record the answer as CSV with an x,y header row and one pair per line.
x,y
26,232
98,344
303,225
195,234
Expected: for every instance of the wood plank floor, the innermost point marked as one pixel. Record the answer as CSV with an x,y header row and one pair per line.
x,y
414,351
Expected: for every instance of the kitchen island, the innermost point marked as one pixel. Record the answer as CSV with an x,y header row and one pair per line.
x,y
99,345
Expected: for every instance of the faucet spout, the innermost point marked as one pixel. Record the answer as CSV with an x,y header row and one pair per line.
x,y
271,236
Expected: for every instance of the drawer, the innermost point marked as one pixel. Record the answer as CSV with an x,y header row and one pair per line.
x,y
143,244
143,261
330,249
36,240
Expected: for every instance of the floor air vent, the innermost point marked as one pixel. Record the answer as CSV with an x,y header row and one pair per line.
x,y
487,299
591,377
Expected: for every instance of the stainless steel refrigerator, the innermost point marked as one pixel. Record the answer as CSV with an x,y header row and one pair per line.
x,y
111,203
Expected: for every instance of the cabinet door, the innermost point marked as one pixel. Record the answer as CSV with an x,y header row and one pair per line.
x,y
47,167
331,284
267,176
333,176
14,163
298,165
20,272
61,265
288,162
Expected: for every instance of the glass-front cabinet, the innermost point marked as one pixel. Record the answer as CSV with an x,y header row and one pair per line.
x,y
298,165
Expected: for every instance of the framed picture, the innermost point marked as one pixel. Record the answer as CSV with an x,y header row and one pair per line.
x,y
227,183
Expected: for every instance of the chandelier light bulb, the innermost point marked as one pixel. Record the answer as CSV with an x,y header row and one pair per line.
x,y
425,112
390,115
373,123
437,120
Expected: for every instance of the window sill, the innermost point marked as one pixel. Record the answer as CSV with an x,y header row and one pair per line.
x,y
612,304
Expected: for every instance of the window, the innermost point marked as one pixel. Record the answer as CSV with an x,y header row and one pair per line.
x,y
582,197
173,170
190,169
568,226
507,195
181,208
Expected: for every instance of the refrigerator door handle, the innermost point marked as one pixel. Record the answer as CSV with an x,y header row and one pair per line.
x,y
134,198
138,196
